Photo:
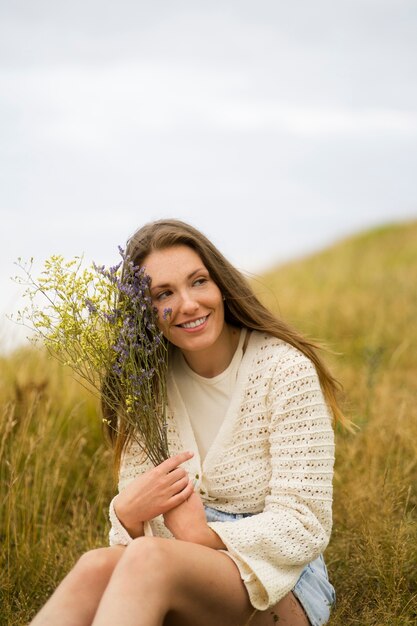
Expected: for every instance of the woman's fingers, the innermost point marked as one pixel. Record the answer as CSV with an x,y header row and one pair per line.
x,y
178,485
182,495
172,463
176,474
156,491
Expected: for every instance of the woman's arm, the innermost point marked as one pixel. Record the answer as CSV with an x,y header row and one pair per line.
x,y
188,522
148,495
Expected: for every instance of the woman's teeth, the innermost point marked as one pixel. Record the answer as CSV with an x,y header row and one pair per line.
x,y
195,323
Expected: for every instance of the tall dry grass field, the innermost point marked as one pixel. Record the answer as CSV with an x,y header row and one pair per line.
x,y
360,298
55,480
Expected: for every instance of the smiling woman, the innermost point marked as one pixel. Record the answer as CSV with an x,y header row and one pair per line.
x,y
247,490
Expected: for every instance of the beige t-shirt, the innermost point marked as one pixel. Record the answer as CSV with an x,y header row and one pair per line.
x,y
207,399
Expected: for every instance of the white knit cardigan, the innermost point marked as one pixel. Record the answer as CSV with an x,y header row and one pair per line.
x,y
273,456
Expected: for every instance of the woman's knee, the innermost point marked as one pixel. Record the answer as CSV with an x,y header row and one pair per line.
x,y
152,552
97,563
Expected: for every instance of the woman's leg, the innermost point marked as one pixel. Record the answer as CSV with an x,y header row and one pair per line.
x,y
288,612
75,601
161,581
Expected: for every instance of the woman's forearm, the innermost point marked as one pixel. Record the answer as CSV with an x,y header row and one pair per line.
x,y
135,529
205,536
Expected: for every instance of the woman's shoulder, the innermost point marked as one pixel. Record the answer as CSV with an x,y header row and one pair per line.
x,y
270,353
263,342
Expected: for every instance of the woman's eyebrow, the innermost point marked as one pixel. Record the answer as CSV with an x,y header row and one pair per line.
x,y
193,273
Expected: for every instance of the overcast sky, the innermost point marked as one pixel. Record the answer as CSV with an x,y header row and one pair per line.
x,y
275,127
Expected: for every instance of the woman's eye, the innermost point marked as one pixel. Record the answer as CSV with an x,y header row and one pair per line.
x,y
200,281
162,295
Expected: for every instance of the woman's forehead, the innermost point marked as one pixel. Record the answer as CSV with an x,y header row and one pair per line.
x,y
175,260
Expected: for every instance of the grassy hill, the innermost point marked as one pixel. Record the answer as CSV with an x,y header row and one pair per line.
x,y
359,297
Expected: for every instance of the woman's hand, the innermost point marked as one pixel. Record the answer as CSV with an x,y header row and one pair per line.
x,y
153,493
187,522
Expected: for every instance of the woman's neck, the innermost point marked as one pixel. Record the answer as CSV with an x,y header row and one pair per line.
x,y
214,360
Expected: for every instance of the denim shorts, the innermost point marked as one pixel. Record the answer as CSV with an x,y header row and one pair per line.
x,y
313,590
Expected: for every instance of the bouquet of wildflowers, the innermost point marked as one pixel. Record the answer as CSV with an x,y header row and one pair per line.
x,y
100,322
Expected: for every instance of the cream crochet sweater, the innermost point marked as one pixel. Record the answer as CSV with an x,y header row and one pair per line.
x,y
273,456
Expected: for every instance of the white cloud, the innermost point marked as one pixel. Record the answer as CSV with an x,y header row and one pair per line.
x,y
311,120
89,108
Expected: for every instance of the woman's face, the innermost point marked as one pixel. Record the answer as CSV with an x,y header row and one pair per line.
x,y
189,303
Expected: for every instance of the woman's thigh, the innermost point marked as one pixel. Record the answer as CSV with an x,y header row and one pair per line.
x,y
204,586
199,585
287,612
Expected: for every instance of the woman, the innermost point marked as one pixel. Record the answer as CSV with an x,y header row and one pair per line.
x,y
247,491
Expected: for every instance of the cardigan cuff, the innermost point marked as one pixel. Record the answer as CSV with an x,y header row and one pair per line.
x,y
118,535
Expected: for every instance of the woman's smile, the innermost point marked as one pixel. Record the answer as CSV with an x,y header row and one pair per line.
x,y
194,325
190,307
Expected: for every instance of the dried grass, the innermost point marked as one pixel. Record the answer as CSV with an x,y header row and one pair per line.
x,y
360,297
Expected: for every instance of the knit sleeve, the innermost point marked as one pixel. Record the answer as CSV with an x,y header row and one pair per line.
x,y
271,548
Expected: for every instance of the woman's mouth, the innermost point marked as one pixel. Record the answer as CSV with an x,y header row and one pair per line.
x,y
195,323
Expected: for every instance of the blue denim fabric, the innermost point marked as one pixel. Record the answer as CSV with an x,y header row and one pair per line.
x,y
313,589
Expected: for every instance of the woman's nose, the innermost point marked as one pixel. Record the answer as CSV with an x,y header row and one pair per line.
x,y
188,304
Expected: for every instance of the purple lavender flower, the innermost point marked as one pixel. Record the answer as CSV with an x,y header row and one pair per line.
x,y
139,356
90,306
167,313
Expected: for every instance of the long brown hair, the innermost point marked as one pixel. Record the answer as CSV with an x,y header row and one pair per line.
x,y
242,307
